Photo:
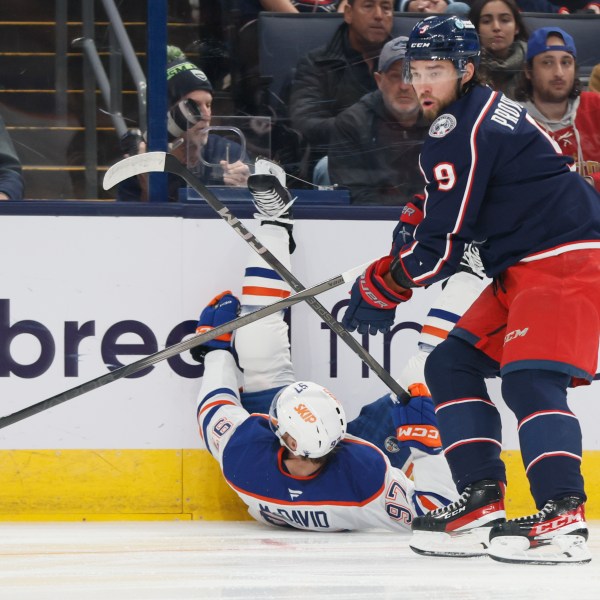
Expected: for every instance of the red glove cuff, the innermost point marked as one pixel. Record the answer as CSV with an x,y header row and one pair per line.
x,y
411,214
375,290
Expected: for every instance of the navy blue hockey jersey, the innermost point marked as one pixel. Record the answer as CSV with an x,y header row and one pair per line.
x,y
493,176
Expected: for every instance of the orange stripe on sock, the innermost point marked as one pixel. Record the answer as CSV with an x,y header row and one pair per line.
x,y
441,333
427,503
254,290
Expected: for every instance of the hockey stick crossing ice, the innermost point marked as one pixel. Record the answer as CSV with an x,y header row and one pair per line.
x,y
161,162
197,340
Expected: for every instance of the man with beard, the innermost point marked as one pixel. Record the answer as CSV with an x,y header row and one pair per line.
x,y
375,145
496,179
330,79
550,91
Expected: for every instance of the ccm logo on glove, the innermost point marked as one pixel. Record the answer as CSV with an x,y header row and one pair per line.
x,y
425,434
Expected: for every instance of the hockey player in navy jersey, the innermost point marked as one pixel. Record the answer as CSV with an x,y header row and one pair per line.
x,y
495,178
284,445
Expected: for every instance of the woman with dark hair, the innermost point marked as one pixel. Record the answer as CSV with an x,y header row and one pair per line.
x,y
503,36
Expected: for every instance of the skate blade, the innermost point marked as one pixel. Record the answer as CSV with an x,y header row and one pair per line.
x,y
563,549
468,544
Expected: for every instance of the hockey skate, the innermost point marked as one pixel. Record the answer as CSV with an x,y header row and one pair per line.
x,y
271,198
557,534
462,528
471,262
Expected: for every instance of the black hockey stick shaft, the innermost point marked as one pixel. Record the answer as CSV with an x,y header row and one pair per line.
x,y
172,165
179,347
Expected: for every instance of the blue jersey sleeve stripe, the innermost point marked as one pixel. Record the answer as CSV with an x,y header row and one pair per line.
x,y
443,314
262,272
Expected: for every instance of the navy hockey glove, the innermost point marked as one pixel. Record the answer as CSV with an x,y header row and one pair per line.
x,y
373,303
221,309
416,423
411,216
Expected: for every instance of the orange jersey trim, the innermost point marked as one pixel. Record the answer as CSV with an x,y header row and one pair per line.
x,y
436,331
254,290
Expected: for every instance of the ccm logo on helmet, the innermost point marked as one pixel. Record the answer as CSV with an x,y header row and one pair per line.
x,y
305,413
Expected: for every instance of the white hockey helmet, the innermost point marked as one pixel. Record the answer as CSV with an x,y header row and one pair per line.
x,y
311,415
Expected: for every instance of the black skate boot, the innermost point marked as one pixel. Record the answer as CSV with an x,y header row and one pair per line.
x,y
557,534
461,528
271,198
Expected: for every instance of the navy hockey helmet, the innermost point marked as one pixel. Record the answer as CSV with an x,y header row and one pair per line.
x,y
443,37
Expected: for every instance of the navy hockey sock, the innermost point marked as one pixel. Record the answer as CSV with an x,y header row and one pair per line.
x,y
549,433
469,422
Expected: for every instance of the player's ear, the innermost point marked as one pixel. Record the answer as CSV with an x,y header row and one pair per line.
x,y
469,72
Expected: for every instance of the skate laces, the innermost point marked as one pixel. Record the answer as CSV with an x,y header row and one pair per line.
x,y
546,511
539,516
472,260
270,203
462,500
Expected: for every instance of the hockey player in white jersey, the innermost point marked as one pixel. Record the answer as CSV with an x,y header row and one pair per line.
x,y
300,465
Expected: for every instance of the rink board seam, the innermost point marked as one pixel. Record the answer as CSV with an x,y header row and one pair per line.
x,y
45,485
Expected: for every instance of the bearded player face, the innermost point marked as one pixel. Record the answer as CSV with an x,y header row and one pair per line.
x,y
436,84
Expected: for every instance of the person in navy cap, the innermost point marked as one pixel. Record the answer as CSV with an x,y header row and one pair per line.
x,y
551,92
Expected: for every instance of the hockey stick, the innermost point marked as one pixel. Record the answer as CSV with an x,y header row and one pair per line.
x,y
164,162
197,340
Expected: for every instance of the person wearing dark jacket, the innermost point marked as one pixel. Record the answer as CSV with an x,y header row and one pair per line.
x,y
332,78
11,178
375,144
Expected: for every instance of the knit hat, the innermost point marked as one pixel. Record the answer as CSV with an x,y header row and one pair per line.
x,y
538,42
184,77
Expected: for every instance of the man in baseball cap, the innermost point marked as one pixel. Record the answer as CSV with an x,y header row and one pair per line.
x,y
544,40
375,145
551,93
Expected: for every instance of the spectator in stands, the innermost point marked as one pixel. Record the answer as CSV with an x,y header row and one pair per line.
x,y
375,145
210,157
454,7
594,84
251,8
11,178
564,7
550,91
503,36
334,77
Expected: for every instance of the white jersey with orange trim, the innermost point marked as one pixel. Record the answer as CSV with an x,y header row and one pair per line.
x,y
357,488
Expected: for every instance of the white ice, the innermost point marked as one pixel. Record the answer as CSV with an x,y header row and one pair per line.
x,y
206,560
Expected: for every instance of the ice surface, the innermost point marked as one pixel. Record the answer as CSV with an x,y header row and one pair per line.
x,y
206,560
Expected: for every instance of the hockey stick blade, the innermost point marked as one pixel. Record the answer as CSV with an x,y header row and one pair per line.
x,y
197,340
147,162
152,161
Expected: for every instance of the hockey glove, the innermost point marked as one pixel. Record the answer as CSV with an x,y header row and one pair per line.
x,y
373,303
411,216
415,422
221,309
